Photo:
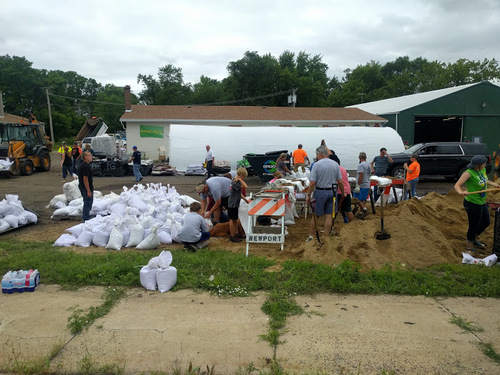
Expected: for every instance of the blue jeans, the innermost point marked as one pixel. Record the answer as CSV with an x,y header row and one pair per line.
x,y
87,204
137,172
413,185
67,170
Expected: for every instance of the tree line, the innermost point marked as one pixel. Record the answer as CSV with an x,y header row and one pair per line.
x,y
252,80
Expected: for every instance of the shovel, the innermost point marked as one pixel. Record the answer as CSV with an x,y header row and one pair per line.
x,y
382,235
312,203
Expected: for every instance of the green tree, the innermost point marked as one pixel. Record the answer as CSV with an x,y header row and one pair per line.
x,y
169,88
208,91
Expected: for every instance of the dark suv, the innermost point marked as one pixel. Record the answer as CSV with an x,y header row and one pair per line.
x,y
447,159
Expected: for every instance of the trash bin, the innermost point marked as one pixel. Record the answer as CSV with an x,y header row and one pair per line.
x,y
264,165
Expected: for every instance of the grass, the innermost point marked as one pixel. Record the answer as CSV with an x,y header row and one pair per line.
x,y
465,325
227,274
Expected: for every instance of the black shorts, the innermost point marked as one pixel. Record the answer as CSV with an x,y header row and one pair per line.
x,y
232,213
223,202
346,203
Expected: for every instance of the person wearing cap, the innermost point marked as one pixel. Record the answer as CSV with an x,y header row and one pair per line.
x,y
61,149
299,158
136,164
76,153
362,185
281,164
412,173
475,179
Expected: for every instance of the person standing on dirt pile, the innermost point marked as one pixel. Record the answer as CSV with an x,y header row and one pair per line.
x,y
66,164
299,158
76,152
195,229
325,173
475,179
346,207
412,173
379,166
136,165
362,189
235,197
209,161
86,185
281,164
218,189
331,153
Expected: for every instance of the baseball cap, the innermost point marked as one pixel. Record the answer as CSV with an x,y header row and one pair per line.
x,y
477,160
135,147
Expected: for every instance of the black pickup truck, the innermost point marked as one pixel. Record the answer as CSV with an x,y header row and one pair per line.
x,y
447,159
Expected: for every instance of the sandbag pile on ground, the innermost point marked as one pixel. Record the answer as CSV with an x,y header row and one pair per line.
x,y
5,164
13,214
141,217
159,273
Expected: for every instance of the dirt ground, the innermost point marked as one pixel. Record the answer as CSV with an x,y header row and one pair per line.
x,y
423,231
149,331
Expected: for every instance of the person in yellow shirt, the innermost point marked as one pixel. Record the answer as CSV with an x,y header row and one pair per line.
x,y
60,151
299,158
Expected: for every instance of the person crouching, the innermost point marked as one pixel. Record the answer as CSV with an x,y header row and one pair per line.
x,y
195,230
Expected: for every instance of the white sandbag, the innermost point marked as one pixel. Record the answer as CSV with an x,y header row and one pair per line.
x,y
186,200
150,242
148,277
58,201
12,220
166,278
126,235
64,211
118,208
136,202
146,221
101,239
136,235
115,238
175,229
5,208
22,220
76,230
242,215
65,240
31,217
164,236
165,259
71,190
85,239
488,261
4,225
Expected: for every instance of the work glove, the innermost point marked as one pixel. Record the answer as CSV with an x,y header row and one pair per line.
x,y
357,189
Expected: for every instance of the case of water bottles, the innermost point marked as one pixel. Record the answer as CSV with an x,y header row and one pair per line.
x,y
20,281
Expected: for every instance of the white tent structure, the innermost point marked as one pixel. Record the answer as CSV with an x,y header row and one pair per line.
x,y
187,142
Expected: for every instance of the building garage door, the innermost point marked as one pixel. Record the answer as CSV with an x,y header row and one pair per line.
x,y
438,129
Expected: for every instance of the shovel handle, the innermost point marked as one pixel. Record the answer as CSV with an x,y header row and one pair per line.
x,y
483,191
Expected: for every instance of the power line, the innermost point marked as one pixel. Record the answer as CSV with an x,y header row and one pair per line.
x,y
248,99
86,100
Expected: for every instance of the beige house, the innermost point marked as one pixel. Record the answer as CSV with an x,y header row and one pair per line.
x,y
148,126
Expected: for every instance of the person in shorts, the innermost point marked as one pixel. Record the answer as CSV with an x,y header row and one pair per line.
x,y
346,205
235,197
363,173
216,188
325,173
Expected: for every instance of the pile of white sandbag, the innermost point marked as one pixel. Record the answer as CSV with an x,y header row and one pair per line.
x,y
141,217
488,261
13,214
159,273
5,164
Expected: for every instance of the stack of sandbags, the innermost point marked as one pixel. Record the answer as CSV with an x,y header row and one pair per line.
x,y
143,217
13,214
195,170
159,273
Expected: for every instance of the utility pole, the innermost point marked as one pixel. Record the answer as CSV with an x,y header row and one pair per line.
x,y
292,99
50,115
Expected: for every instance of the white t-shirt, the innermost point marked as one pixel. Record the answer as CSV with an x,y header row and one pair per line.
x,y
209,155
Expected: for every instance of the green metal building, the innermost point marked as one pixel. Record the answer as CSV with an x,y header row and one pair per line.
x,y
462,113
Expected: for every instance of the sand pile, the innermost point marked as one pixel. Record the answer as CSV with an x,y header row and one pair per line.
x,y
423,232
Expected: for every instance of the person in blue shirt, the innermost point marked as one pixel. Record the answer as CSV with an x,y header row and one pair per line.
x,y
136,159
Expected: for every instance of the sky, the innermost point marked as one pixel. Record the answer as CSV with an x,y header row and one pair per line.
x,y
114,41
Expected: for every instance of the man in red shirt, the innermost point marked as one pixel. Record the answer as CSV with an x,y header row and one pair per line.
x,y
299,157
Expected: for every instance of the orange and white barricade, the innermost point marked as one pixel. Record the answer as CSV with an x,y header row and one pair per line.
x,y
267,203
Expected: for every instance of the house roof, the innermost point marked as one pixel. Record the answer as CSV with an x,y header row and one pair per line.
x,y
13,118
235,114
402,103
